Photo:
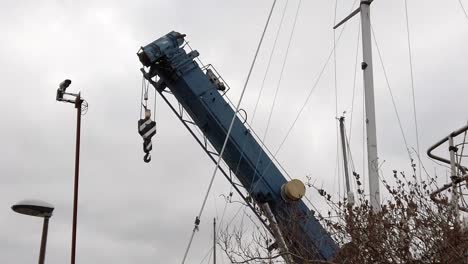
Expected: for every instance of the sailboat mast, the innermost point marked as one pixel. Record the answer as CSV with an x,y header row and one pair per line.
x,y
345,157
367,67
368,70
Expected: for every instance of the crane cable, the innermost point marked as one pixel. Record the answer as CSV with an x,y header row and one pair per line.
x,y
197,219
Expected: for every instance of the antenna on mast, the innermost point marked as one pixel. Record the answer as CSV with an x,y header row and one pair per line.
x,y
366,66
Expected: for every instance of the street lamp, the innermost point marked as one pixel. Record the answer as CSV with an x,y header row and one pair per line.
x,y
39,209
78,102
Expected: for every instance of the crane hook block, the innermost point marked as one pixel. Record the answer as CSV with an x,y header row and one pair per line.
x,y
147,129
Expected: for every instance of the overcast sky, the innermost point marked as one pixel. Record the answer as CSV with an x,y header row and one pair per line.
x,y
132,212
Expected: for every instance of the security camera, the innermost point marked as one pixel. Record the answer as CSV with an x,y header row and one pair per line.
x,y
64,85
61,90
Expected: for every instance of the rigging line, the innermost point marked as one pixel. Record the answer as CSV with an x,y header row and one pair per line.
x,y
263,83
305,103
261,88
338,154
317,81
269,60
319,77
391,93
463,8
209,257
197,219
235,215
278,86
206,255
349,150
351,161
423,167
350,155
222,216
355,78
224,210
337,173
412,85
275,97
337,170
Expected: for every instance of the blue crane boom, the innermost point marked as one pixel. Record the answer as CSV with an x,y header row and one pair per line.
x,y
201,94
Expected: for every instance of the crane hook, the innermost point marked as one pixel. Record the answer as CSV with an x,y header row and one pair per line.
x,y
147,129
147,157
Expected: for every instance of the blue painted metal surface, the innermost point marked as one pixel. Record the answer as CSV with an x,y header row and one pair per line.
x,y
200,97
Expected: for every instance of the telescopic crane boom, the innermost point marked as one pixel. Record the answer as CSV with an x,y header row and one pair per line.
x,y
200,93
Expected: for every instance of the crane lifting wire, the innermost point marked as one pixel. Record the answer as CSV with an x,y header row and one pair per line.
x,y
146,126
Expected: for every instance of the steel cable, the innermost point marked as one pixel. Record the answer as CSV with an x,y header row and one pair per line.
x,y
412,86
391,93
197,219
276,91
463,8
260,92
354,81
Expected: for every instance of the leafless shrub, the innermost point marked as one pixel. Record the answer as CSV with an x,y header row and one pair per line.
x,y
409,228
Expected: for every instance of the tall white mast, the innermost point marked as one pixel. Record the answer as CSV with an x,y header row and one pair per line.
x,y
372,157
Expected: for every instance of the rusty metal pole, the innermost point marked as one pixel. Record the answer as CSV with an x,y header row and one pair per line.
x,y
78,103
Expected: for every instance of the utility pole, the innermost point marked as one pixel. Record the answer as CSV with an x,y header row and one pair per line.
x,y
367,67
214,240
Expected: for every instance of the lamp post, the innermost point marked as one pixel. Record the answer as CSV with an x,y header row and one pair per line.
x,y
77,101
39,209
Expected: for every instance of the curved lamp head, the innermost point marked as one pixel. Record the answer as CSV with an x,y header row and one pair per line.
x,y
34,208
